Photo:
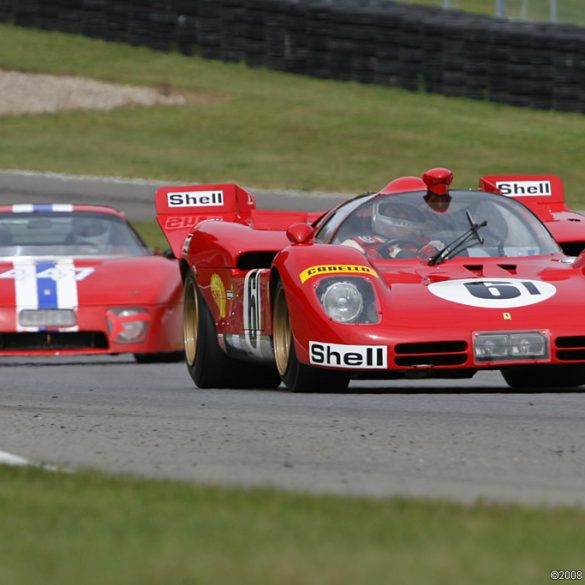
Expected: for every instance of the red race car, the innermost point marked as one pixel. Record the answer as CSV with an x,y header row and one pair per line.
x,y
417,280
77,279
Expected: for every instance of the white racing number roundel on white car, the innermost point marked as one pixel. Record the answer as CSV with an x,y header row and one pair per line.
x,y
497,293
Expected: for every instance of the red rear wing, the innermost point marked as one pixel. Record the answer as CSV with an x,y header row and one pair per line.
x,y
180,209
543,194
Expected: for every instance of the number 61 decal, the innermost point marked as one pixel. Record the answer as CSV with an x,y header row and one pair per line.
x,y
497,293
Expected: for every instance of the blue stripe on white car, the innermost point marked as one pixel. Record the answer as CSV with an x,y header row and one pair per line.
x,y
41,207
45,284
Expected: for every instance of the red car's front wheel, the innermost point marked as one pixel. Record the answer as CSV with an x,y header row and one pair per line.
x,y
296,376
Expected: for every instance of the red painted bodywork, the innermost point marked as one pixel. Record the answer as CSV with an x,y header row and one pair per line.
x,y
150,282
239,240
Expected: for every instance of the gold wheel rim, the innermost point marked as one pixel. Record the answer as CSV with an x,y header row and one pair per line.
x,y
282,333
190,322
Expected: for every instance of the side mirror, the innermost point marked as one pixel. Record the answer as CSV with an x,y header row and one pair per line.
x,y
300,233
168,253
580,260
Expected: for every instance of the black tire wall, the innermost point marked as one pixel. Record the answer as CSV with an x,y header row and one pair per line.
x,y
369,41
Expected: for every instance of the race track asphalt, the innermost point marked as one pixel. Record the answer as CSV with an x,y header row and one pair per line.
x,y
459,440
465,440
133,196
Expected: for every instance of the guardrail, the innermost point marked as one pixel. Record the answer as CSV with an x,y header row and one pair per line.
x,y
370,41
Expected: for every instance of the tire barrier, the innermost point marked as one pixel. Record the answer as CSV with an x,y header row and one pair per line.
x,y
414,47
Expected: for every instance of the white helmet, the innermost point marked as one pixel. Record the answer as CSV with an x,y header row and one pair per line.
x,y
91,232
396,219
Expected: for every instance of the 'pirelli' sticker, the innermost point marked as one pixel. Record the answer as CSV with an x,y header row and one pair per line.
x,y
329,269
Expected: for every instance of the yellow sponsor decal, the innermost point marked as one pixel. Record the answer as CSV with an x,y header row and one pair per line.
x,y
330,269
507,316
218,293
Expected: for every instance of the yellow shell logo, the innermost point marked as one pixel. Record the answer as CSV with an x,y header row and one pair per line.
x,y
218,293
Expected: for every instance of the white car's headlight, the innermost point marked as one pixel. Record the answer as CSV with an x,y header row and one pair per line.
x,y
127,325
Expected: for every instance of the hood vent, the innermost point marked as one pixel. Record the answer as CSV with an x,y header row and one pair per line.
x,y
477,269
511,268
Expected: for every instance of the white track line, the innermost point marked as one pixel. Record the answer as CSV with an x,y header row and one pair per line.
x,y
10,459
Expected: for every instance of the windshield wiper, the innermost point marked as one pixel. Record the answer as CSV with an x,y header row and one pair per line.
x,y
460,243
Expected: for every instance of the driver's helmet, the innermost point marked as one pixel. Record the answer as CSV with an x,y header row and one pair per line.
x,y
91,232
396,219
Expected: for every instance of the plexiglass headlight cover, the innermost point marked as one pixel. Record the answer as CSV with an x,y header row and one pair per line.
x,y
511,345
128,324
347,299
57,318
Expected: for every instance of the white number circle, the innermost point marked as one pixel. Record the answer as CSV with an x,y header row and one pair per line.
x,y
496,293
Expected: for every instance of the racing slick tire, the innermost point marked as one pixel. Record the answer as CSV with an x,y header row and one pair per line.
x,y
537,377
208,365
296,376
169,357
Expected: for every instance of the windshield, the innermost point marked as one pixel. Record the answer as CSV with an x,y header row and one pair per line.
x,y
421,225
67,234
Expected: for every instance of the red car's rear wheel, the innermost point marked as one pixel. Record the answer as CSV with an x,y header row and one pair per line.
x,y
208,365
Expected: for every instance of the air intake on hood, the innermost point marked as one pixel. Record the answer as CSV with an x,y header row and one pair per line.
x,y
511,268
477,269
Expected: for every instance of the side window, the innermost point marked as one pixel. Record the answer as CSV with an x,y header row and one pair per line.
x,y
339,216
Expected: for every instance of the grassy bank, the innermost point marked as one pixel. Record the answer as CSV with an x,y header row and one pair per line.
x,y
269,129
68,529
151,234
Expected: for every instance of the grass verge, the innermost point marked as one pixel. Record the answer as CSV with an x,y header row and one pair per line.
x,y
268,129
151,234
93,529
569,11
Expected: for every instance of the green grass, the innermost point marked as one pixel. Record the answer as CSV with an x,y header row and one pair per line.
x,y
87,528
268,129
151,234
569,11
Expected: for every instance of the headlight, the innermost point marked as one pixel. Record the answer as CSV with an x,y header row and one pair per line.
x,y
349,299
515,345
342,301
47,318
127,325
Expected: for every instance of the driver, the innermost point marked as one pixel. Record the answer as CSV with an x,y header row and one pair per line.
x,y
91,232
398,232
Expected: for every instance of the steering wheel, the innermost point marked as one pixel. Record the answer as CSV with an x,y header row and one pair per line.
x,y
403,243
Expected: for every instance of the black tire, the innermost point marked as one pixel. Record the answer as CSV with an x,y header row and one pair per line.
x,y
538,377
170,357
208,365
296,376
